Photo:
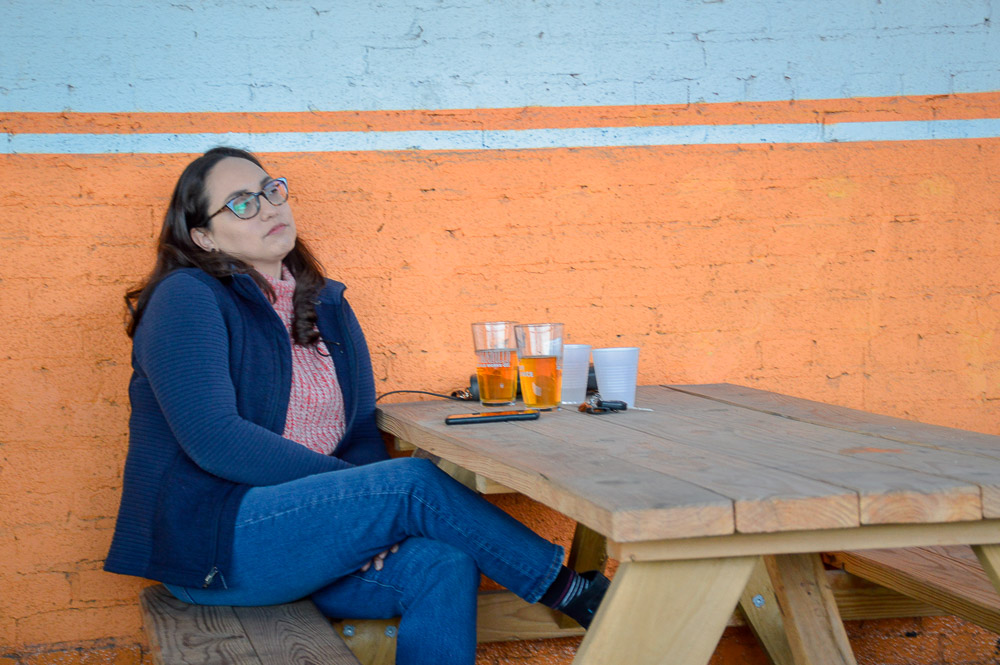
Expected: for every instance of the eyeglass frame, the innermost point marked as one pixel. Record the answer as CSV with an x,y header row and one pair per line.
x,y
256,197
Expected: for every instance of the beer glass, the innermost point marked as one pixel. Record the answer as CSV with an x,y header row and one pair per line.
x,y
539,351
496,367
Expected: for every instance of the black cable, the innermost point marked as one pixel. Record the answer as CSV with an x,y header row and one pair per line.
x,y
455,396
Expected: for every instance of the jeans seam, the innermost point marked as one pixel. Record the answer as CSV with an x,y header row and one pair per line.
x,y
384,586
454,526
314,503
411,494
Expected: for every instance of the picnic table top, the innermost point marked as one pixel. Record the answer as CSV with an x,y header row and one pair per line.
x,y
721,459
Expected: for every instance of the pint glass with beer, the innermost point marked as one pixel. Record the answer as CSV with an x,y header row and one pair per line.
x,y
539,349
496,367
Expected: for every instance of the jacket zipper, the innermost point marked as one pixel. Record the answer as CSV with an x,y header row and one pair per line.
x,y
211,576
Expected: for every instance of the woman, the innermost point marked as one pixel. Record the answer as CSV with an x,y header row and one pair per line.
x,y
255,473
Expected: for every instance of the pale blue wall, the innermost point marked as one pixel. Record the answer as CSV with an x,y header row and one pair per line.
x,y
285,55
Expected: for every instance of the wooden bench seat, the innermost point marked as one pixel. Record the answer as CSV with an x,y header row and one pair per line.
x,y
292,634
950,578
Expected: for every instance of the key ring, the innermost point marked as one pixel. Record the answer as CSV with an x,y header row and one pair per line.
x,y
595,404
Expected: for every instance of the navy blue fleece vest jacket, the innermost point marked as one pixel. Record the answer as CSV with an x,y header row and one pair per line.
x,y
212,372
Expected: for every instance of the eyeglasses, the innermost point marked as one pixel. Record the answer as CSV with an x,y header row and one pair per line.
x,y
246,206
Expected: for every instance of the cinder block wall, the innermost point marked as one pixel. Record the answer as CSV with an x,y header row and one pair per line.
x,y
752,195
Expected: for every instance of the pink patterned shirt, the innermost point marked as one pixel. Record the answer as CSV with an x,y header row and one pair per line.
x,y
316,406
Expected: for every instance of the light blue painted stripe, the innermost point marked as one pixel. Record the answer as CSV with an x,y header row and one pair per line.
x,y
848,132
98,56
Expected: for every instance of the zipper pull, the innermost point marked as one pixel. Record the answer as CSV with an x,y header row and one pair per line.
x,y
211,576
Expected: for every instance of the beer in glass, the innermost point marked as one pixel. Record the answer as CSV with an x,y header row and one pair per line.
x,y
539,349
496,366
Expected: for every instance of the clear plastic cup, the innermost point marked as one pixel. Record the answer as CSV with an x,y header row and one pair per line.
x,y
617,370
576,369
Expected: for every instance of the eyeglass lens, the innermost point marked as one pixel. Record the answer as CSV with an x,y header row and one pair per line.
x,y
246,206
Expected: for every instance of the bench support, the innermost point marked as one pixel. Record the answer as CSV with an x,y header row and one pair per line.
x,y
951,578
681,626
814,630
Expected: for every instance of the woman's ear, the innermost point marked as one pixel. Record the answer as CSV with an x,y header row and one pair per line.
x,y
203,238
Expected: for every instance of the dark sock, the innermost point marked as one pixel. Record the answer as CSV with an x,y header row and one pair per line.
x,y
559,592
582,605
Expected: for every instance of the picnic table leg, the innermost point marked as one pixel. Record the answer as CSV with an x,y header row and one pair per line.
x,y
989,557
812,623
759,604
665,612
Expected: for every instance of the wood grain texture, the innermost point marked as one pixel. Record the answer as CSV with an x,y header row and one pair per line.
x,y
680,623
889,493
182,634
369,640
753,544
759,605
473,481
292,634
853,420
989,559
950,578
725,484
859,599
504,617
764,499
812,623
959,453
614,497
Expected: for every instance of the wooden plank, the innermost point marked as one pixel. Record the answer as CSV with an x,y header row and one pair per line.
x,y
609,495
764,499
815,632
759,605
183,634
960,454
989,558
753,544
504,617
859,599
947,577
854,420
680,623
589,550
486,486
293,634
471,480
888,494
372,641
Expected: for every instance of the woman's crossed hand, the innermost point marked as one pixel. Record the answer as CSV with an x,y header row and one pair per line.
x,y
379,559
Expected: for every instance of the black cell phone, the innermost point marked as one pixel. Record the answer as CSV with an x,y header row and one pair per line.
x,y
490,417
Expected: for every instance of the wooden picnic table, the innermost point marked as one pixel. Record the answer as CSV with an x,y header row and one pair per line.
x,y
724,495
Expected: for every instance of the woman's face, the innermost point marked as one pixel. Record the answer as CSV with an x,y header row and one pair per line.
x,y
265,239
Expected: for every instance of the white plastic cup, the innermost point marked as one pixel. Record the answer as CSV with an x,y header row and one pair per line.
x,y
576,368
617,371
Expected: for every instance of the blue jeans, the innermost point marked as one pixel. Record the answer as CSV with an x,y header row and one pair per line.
x,y
310,537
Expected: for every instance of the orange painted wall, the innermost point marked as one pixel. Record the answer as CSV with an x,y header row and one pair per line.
x,y
858,274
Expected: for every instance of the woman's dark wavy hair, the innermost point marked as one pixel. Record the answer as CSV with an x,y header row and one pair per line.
x,y
189,210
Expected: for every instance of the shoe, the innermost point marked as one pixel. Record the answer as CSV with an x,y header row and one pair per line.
x,y
582,608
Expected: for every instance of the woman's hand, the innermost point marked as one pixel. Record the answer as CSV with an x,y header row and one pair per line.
x,y
379,559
